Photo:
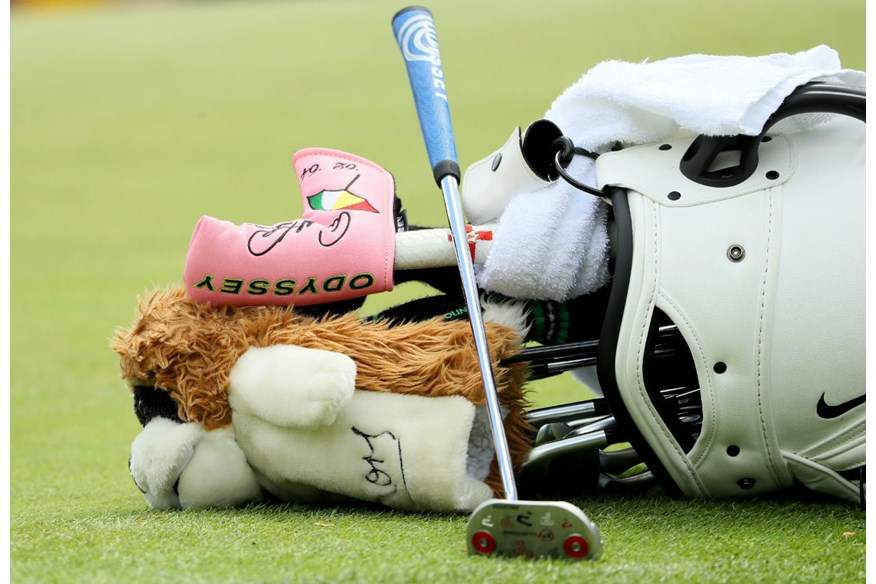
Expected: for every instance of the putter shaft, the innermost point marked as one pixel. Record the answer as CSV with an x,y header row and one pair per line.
x,y
450,190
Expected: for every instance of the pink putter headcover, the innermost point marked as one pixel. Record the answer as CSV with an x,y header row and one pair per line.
x,y
343,247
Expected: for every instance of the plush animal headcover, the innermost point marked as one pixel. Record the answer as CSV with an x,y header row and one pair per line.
x,y
189,350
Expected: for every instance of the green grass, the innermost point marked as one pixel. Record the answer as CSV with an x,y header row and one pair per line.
x,y
128,123
648,541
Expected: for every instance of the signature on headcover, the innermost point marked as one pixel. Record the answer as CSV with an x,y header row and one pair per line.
x,y
267,238
378,467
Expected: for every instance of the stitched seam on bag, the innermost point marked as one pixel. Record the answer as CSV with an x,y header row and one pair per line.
x,y
702,353
828,446
668,438
760,332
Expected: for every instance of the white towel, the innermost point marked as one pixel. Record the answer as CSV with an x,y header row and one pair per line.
x,y
550,244
640,103
553,244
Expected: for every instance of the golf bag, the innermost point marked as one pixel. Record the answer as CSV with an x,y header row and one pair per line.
x,y
731,349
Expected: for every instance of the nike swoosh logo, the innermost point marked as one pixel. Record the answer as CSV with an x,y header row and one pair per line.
x,y
827,411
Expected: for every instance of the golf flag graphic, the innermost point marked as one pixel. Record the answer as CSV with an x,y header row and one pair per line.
x,y
339,200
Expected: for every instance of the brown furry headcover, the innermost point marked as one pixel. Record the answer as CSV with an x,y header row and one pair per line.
x,y
189,349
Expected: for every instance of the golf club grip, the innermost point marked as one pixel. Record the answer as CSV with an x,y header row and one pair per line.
x,y
433,248
414,30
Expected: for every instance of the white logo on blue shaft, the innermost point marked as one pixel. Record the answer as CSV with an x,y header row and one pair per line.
x,y
418,40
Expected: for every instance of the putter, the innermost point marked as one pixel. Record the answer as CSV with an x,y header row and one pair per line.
x,y
506,527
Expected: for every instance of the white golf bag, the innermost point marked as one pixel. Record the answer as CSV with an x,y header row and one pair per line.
x,y
732,348
764,280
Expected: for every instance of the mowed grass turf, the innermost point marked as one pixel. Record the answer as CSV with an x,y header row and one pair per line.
x,y
128,123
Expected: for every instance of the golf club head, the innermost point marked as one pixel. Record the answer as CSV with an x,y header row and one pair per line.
x,y
532,529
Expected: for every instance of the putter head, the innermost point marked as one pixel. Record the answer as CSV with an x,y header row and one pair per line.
x,y
532,529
